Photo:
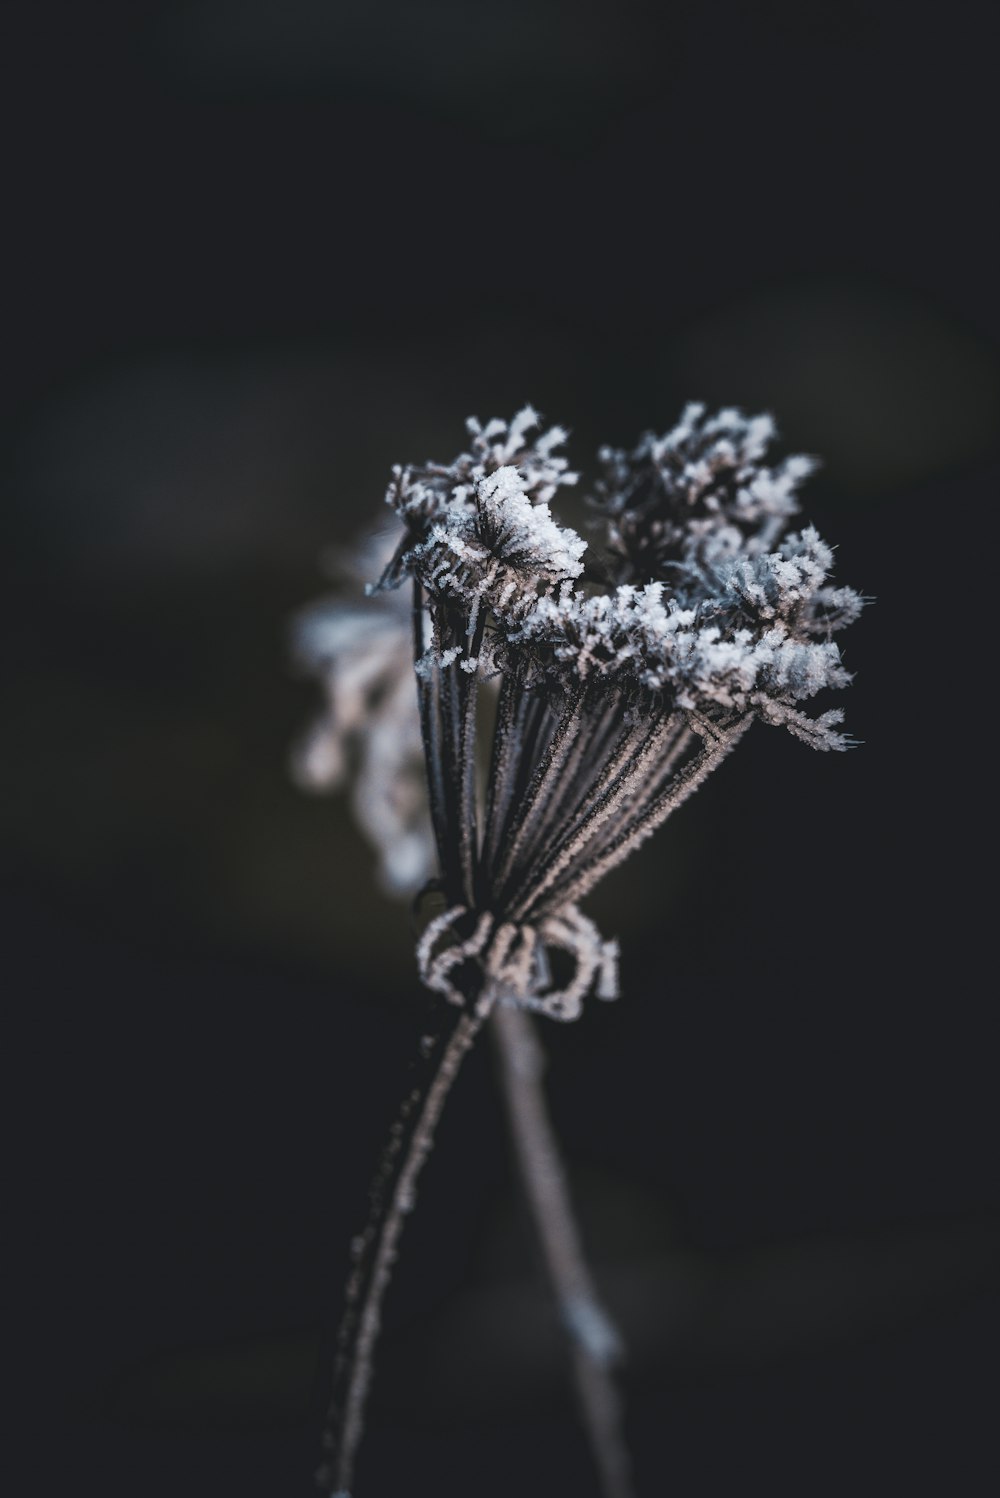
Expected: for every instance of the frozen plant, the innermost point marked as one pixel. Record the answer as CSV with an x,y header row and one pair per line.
x,y
625,671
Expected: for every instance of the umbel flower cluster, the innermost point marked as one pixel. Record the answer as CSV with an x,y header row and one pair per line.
x,y
627,668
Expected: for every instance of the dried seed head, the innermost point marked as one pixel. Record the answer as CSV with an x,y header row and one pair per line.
x,y
707,609
627,671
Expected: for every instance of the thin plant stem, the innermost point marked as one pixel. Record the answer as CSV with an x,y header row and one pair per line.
x,y
393,1196
674,744
645,823
509,722
532,731
628,774
594,1341
619,769
548,767
428,698
591,749
466,767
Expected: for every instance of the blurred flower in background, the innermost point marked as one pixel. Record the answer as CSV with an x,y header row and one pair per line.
x,y
368,738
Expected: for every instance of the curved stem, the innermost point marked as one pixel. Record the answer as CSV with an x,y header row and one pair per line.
x,y
393,1195
595,1344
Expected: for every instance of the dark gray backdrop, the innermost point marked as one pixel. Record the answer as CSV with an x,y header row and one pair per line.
x,y
259,253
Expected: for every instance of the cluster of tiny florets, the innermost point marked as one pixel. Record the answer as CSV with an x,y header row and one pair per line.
x,y
704,603
501,475
697,492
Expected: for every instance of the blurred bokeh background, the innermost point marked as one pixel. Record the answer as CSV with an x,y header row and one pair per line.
x,y
259,252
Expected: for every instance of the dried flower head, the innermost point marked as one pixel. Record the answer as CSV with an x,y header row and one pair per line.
x,y
627,670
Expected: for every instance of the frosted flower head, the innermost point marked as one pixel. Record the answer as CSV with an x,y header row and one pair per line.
x,y
708,609
627,670
699,492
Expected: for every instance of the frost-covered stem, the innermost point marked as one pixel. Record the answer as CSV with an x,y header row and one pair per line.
x,y
595,1344
510,711
428,698
451,720
541,784
393,1195
592,747
531,734
627,752
637,829
627,778
468,814
673,743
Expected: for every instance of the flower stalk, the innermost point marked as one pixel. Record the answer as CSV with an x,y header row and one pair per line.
x,y
595,1345
391,1199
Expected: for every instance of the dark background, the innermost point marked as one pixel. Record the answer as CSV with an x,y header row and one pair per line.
x,y
258,253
